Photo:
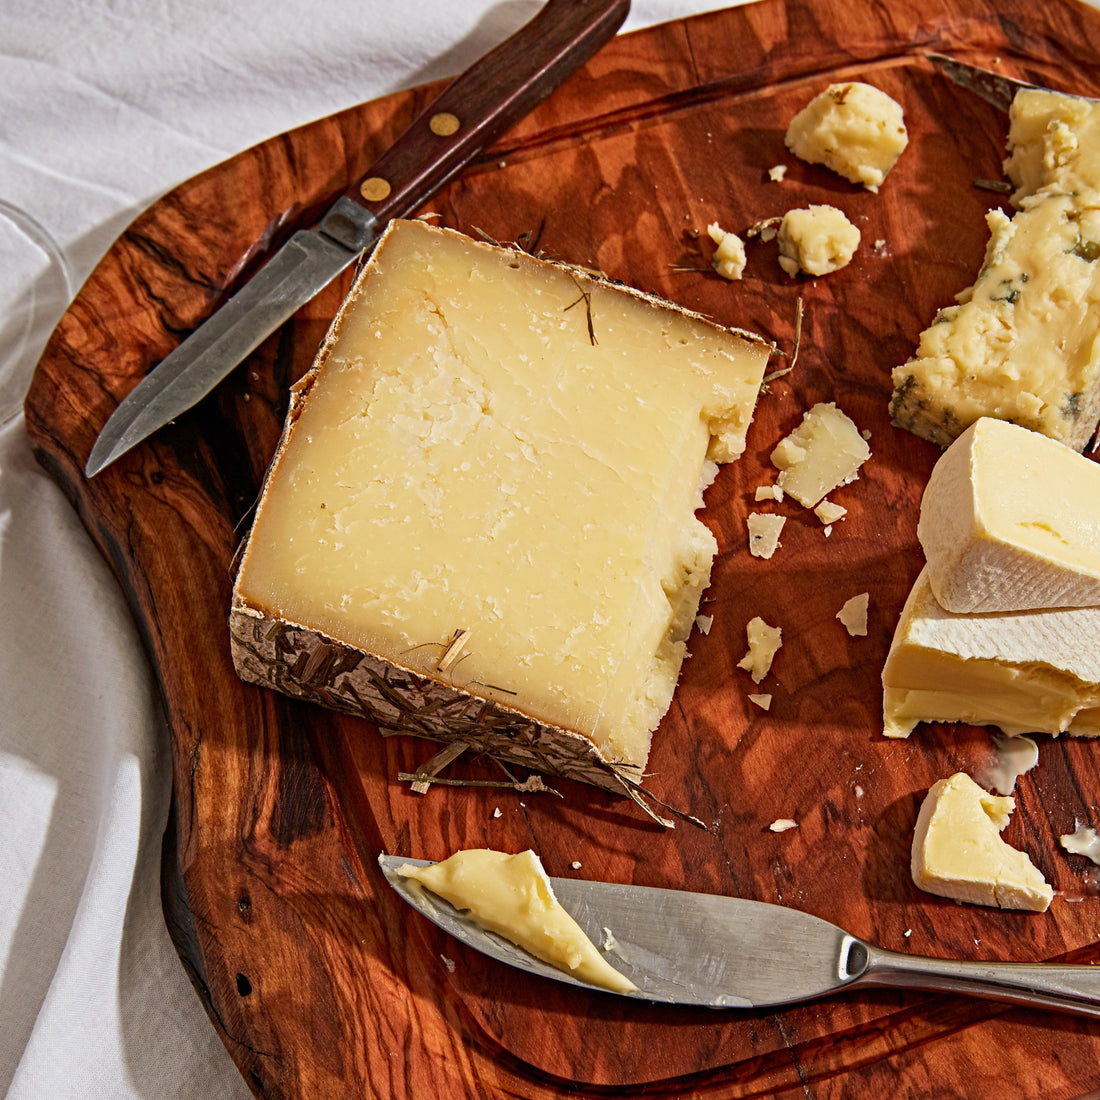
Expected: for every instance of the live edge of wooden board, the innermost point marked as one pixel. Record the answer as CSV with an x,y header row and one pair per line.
x,y
319,980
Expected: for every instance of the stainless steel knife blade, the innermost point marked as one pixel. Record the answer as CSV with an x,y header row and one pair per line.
x,y
688,948
471,113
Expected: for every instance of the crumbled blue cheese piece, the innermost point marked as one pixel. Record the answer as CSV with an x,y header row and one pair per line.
x,y
729,259
817,240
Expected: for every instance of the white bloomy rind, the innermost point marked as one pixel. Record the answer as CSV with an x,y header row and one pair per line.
x,y
1010,521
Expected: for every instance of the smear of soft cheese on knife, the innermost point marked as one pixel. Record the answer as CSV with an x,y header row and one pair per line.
x,y
1025,671
512,896
958,851
494,444
1010,520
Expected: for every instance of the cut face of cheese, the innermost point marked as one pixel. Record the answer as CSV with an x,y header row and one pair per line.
x,y
824,452
1025,671
1023,343
512,896
508,450
958,851
1010,520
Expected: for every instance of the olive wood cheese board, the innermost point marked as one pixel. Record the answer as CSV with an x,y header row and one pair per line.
x,y
317,977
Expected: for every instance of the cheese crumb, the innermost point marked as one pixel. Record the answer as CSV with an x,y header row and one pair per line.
x,y
855,129
704,623
730,259
854,614
764,643
764,702
823,453
769,492
777,172
764,530
1083,841
782,824
829,513
817,240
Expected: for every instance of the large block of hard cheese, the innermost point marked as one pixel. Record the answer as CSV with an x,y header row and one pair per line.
x,y
480,522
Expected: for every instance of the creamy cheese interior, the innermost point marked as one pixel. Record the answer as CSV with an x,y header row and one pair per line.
x,y
958,851
1010,520
498,445
512,896
1025,671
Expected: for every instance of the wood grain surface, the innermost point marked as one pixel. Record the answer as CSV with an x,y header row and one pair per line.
x,y
319,980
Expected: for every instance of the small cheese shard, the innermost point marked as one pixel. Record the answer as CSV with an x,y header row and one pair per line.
x,y
1020,344
512,896
854,614
761,699
499,444
1013,757
1083,841
764,531
958,851
764,643
729,259
853,128
816,240
783,824
830,513
824,452
1010,520
1024,671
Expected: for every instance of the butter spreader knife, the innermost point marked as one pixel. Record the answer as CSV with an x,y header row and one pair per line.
x,y
472,112
686,948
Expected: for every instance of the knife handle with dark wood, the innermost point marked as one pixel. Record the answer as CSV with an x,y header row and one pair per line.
x,y
485,101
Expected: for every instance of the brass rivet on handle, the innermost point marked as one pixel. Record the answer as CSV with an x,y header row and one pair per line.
x,y
444,124
375,189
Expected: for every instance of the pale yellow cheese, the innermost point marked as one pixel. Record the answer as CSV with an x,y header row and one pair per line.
x,y
822,453
958,851
511,895
1024,671
500,446
853,128
816,240
1023,343
729,257
764,643
1010,520
764,531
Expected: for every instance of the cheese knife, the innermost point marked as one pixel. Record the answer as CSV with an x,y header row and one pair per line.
x,y
471,113
723,952
993,87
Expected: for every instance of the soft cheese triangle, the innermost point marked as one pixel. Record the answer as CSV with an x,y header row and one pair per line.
x,y
1025,671
958,851
507,452
1010,521
512,896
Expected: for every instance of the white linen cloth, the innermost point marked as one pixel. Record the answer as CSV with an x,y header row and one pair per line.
x,y
104,106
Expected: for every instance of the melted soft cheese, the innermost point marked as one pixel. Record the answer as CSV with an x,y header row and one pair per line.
x,y
824,452
512,896
498,445
1025,671
958,851
1010,520
855,129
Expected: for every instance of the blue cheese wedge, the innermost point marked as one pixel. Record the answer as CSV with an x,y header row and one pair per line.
x,y
506,455
511,895
1010,521
958,851
1020,343
1024,671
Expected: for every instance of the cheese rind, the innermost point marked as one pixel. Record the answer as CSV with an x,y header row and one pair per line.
x,y
1024,671
495,444
512,896
958,851
1010,521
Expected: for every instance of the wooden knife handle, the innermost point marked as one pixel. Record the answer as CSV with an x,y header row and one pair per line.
x,y
485,101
